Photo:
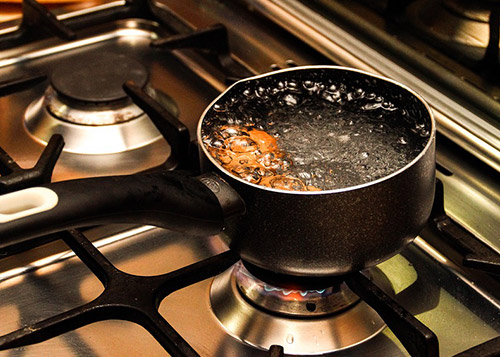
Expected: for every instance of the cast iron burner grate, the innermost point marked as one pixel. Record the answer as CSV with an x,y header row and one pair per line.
x,y
137,298
126,297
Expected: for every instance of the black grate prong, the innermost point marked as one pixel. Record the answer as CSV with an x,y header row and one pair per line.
x,y
48,159
21,83
172,129
24,246
476,254
415,336
90,255
35,14
215,39
168,337
276,351
15,178
197,272
7,164
49,328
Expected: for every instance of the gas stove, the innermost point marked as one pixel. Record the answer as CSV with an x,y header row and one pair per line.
x,y
143,290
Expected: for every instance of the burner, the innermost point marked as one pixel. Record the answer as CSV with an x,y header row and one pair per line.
x,y
303,322
293,302
88,90
87,105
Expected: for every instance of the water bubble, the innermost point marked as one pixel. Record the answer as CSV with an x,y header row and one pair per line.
x,y
219,108
216,143
289,339
328,96
310,86
343,138
359,93
290,100
260,91
305,175
371,106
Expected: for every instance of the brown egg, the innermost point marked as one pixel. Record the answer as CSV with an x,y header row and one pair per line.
x,y
254,156
265,141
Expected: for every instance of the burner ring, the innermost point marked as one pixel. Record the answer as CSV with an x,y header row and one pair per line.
x,y
56,106
41,124
293,302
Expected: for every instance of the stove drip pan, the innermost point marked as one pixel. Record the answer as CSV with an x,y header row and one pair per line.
x,y
87,105
303,322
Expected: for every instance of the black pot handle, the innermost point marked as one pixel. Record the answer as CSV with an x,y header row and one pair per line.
x,y
172,200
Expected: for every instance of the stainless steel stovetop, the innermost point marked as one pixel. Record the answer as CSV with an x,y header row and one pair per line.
x,y
460,305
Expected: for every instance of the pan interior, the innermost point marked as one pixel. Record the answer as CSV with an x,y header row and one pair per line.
x,y
315,129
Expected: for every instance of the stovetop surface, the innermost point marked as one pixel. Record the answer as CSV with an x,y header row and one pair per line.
x,y
458,305
448,306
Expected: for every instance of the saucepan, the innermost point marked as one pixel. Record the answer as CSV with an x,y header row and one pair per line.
x,y
336,168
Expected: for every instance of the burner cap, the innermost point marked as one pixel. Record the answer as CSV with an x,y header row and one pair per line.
x,y
97,78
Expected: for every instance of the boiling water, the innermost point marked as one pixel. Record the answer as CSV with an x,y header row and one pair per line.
x,y
310,136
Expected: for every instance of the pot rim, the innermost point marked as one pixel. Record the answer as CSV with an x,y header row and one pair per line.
x,y
323,192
